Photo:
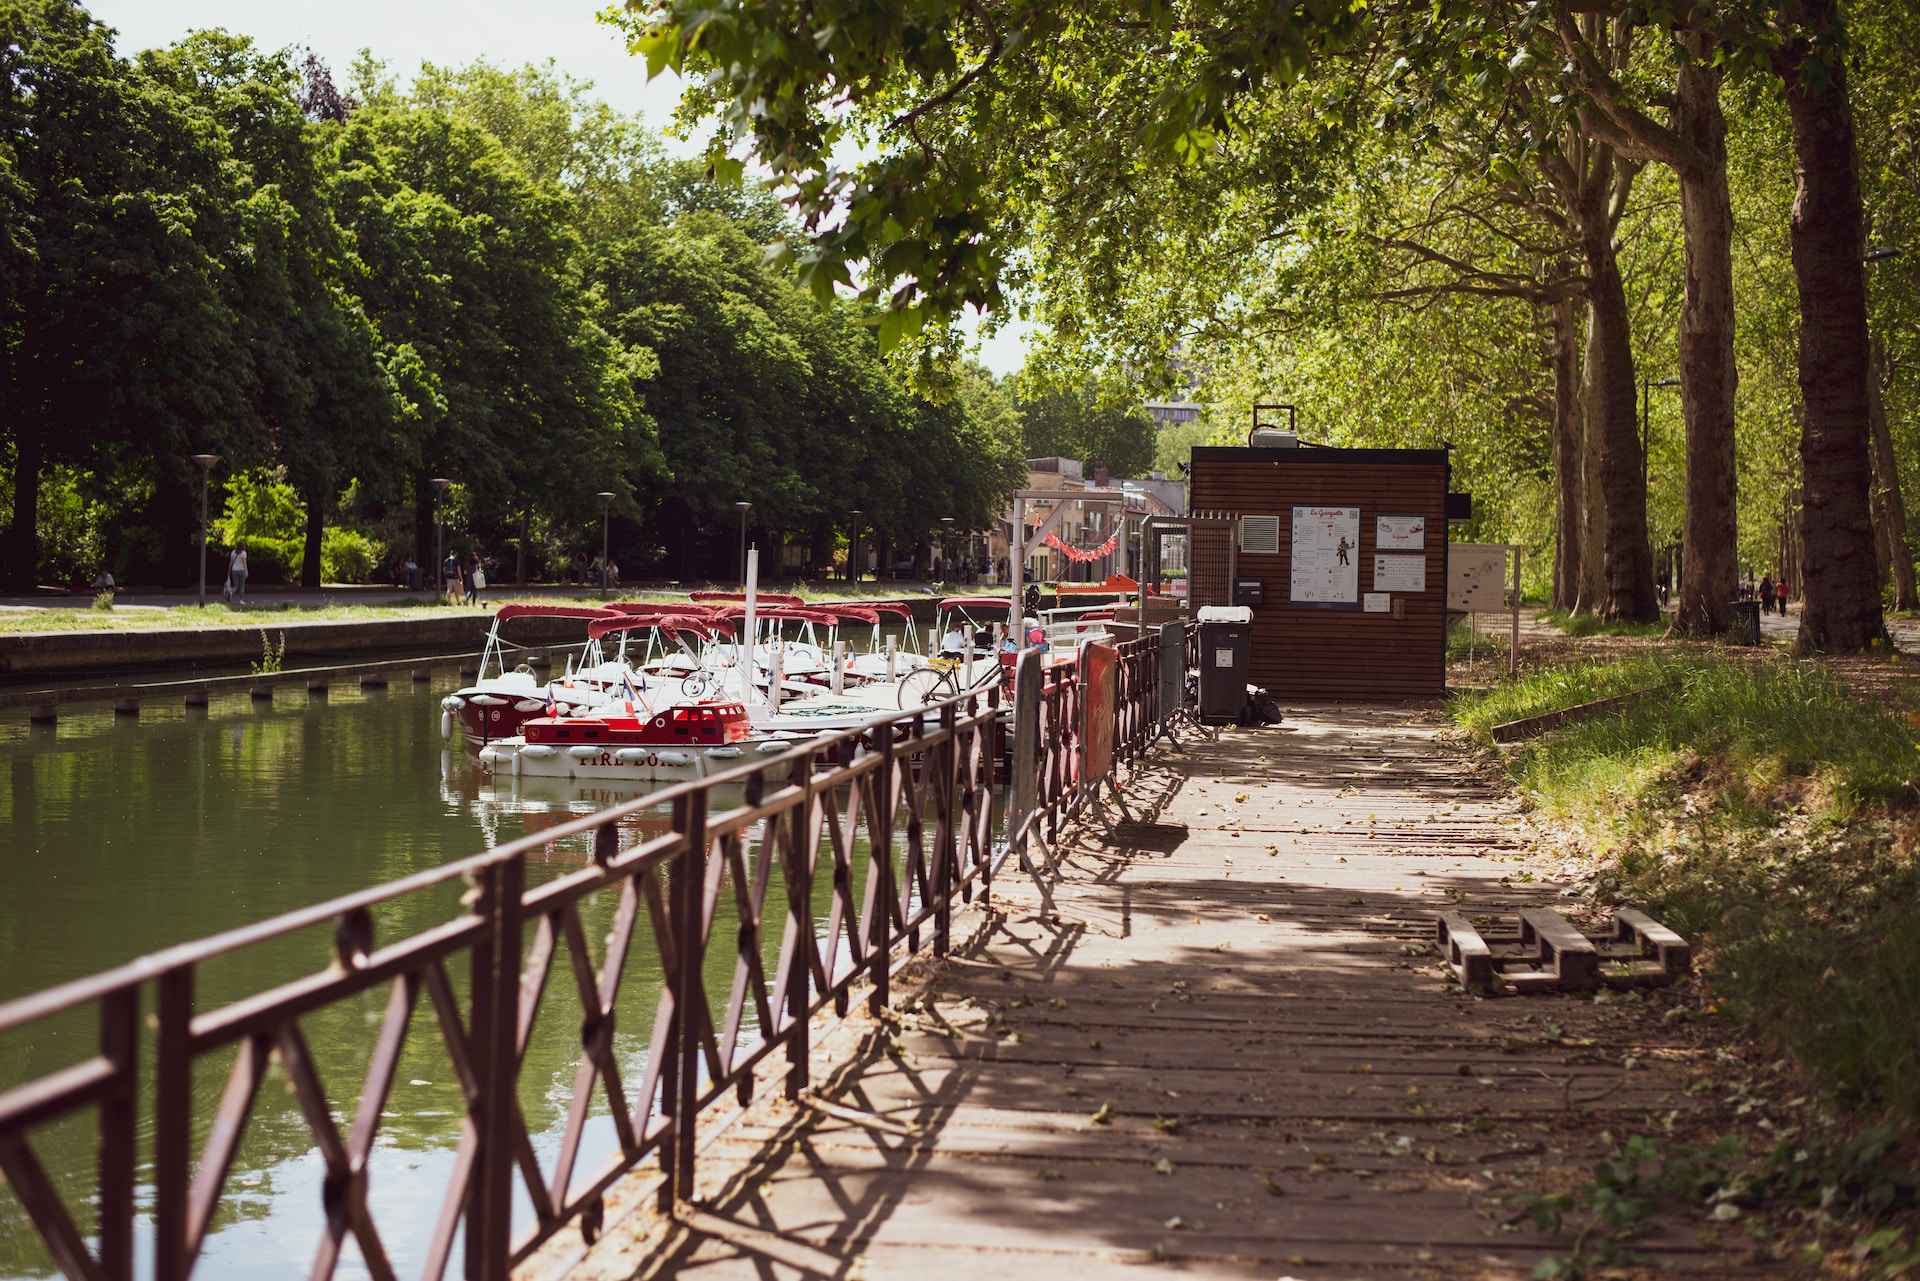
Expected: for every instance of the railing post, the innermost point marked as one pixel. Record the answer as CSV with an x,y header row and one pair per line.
x,y
799,876
119,1113
880,849
691,951
945,761
496,1017
172,1122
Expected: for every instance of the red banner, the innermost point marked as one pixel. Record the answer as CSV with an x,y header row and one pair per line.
x,y
1099,696
1080,555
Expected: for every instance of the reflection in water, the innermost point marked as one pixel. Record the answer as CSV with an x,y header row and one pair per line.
x,y
122,837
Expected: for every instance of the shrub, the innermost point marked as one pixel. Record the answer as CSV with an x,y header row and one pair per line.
x,y
103,600
348,556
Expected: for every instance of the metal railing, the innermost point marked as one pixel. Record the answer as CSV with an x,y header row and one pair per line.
x,y
897,817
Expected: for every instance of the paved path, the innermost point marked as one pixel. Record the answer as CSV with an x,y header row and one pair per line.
x,y
1229,1055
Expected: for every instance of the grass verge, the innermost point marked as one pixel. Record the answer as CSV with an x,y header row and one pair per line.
x,y
1773,819
129,615
1765,813
1578,625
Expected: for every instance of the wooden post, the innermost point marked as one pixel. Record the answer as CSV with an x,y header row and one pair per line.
x,y
1513,645
839,682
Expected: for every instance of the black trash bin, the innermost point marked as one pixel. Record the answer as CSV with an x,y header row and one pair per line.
x,y
1226,642
1746,623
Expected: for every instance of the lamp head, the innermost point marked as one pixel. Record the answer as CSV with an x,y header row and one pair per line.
x,y
440,483
742,504
206,461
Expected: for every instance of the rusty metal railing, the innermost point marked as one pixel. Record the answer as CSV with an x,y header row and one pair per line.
x,y
918,788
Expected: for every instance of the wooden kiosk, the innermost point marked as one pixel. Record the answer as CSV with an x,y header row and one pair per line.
x,y
1342,556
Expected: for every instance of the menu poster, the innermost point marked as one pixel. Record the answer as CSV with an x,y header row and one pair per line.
x,y
1399,573
1400,533
1326,556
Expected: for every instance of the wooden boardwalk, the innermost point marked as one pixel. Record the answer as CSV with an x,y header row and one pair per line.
x,y
1229,1054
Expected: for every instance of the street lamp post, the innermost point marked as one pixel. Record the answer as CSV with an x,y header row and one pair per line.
x,y
205,462
853,545
440,484
606,518
744,507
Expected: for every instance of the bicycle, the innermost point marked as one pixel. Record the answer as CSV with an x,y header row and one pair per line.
x,y
940,680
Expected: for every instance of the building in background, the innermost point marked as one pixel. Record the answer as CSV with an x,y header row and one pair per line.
x,y
1081,527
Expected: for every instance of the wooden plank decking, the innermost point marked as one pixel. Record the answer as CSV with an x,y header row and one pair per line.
x,y
1230,1054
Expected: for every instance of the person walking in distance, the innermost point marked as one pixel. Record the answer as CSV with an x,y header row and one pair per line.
x,y
450,578
1766,593
476,580
237,574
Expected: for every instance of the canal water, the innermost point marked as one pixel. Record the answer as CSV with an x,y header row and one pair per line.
x,y
119,837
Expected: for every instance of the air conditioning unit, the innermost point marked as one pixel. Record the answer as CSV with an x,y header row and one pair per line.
x,y
1260,535
1273,438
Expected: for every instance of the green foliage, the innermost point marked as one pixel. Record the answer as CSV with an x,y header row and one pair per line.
x,y
206,249
260,507
1628,1189
347,556
273,655
103,601
1088,422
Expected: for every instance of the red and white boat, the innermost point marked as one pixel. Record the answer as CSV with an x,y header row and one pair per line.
x,y
689,740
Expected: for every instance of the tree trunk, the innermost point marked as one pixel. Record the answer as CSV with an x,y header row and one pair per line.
x,y
1707,372
310,555
1566,456
1612,419
1841,601
423,548
19,568
1889,506
1592,596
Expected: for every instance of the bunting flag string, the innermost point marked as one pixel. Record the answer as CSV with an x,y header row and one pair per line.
x,y
1083,555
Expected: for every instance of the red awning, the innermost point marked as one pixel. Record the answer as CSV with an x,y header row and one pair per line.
x,y
550,611
740,598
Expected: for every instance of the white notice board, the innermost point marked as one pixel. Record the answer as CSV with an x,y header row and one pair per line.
x,y
1400,573
1326,556
1399,533
1477,577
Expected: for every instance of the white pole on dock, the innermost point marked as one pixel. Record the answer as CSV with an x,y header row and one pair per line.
x,y
743,662
839,666
1016,557
893,650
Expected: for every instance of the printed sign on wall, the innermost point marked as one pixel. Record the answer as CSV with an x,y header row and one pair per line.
x,y
1399,533
1399,573
1326,556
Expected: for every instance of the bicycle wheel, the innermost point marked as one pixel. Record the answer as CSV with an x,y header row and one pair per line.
x,y
695,685
918,688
